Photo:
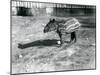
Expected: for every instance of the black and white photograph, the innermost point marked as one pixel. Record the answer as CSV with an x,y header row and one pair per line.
x,y
52,37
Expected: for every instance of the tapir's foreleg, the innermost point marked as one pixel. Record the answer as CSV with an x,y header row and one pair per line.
x,y
61,39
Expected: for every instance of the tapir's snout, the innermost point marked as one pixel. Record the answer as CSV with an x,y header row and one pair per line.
x,y
45,29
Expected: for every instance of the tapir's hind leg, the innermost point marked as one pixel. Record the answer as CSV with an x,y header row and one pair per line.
x,y
73,37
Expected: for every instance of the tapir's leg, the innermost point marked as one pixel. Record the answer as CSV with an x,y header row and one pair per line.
x,y
73,37
60,35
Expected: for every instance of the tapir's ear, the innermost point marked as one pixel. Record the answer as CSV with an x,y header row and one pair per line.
x,y
53,20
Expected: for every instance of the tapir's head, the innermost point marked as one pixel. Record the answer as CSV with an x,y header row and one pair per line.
x,y
50,26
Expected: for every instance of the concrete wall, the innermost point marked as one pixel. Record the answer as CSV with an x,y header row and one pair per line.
x,y
74,12
22,8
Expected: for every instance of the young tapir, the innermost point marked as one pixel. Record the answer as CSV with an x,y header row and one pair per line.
x,y
70,26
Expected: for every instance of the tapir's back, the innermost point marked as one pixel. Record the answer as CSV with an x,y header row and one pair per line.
x,y
71,25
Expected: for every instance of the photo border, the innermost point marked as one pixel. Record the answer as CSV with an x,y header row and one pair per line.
x,y
49,71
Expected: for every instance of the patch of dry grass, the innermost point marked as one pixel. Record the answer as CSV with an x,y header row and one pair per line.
x,y
80,55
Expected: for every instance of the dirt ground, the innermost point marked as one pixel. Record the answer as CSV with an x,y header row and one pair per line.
x,y
39,52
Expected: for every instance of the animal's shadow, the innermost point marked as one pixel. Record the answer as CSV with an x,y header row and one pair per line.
x,y
39,43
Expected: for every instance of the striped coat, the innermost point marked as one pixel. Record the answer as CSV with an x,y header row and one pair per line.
x,y
71,25
67,27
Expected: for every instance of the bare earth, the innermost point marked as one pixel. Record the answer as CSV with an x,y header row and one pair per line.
x,y
43,54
